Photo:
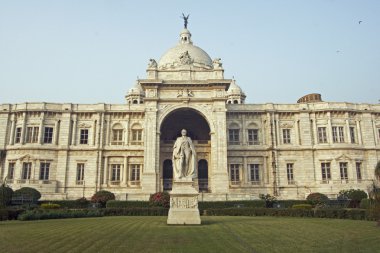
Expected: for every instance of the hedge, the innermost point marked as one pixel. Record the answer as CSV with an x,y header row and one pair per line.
x,y
70,204
58,214
354,214
126,204
229,204
136,211
10,214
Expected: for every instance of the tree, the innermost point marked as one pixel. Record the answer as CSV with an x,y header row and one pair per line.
x,y
354,195
28,193
101,197
317,198
5,194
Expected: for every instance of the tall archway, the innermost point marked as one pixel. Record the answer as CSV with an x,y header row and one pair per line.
x,y
198,130
203,175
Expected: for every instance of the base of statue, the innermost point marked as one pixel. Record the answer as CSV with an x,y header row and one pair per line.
x,y
183,204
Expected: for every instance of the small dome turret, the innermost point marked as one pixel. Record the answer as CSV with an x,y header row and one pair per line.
x,y
136,94
235,94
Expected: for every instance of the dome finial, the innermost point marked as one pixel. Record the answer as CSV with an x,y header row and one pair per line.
x,y
185,18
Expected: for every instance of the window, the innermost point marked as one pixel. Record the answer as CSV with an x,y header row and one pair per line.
x,y
135,173
83,136
326,173
233,136
352,134
253,136
117,136
18,135
343,171
234,173
322,135
338,134
32,134
136,134
44,171
26,170
289,173
254,170
286,136
359,171
115,172
48,135
80,173
11,170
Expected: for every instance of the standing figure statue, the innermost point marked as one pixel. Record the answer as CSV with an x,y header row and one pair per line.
x,y
185,18
184,157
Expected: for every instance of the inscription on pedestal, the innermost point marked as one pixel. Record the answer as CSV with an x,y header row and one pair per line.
x,y
184,202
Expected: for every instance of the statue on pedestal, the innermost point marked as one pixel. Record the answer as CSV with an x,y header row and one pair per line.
x,y
184,158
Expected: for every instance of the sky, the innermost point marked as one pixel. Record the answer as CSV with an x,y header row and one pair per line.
x,y
92,51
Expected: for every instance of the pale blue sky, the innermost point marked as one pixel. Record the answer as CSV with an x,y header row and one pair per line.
x,y
92,51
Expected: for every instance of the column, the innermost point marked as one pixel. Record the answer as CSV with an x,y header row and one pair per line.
x,y
245,170
56,132
359,131
13,125
315,129
348,133
23,130
125,174
108,130
105,174
329,128
40,130
74,130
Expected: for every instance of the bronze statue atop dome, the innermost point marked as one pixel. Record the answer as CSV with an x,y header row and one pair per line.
x,y
185,18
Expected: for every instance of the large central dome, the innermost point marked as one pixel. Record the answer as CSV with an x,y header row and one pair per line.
x,y
185,54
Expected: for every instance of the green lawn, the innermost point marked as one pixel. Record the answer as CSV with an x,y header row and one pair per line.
x,y
217,234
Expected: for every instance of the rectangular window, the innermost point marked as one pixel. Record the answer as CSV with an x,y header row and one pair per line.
x,y
254,170
135,172
253,137
326,173
343,171
234,173
32,134
115,172
233,137
117,136
338,134
352,134
83,136
18,135
44,171
322,135
11,170
80,173
137,135
286,136
26,170
290,173
359,171
48,135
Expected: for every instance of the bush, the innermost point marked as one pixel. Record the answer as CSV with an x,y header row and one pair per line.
x,y
365,203
302,206
10,214
5,195
317,198
58,214
269,200
355,195
101,197
161,199
70,204
28,193
136,211
228,204
127,204
50,206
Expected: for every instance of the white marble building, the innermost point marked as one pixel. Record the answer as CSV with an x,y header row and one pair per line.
x,y
67,151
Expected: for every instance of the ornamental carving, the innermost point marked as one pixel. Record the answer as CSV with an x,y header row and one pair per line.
x,y
286,125
152,63
184,202
185,58
84,125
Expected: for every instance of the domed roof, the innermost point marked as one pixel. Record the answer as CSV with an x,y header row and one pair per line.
x,y
136,89
185,53
234,89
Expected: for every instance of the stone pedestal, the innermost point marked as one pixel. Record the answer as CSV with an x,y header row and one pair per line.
x,y
183,204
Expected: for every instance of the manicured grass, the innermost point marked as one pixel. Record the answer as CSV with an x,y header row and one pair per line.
x,y
217,234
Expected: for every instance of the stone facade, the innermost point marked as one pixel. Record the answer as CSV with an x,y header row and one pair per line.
x,y
68,151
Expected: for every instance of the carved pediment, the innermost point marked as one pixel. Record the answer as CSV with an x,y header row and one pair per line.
x,y
286,125
84,125
343,157
26,157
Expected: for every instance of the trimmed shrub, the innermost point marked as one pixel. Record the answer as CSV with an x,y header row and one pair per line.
x,y
10,214
302,206
58,214
70,204
27,192
50,206
317,198
136,211
354,195
161,199
5,195
127,204
365,203
101,197
290,203
269,200
229,204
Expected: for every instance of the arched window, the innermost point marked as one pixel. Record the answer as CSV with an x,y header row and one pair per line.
x,y
234,134
253,134
117,134
137,134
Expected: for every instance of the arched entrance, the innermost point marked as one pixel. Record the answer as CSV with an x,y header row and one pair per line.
x,y
203,175
198,130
